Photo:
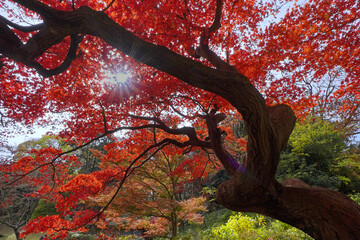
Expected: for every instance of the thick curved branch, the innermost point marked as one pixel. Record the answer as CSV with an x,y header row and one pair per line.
x,y
204,50
188,131
9,42
48,34
12,47
231,85
87,21
43,10
31,28
230,164
70,57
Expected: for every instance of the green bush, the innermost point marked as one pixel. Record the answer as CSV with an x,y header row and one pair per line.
x,y
319,155
218,217
355,197
241,226
44,208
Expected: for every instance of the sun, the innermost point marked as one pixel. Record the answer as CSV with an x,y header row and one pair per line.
x,y
119,86
117,78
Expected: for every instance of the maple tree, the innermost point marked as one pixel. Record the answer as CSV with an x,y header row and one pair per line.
x,y
19,200
191,62
155,198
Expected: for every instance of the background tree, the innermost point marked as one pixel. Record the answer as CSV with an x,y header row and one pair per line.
x,y
320,155
17,206
20,200
153,198
44,208
170,49
90,161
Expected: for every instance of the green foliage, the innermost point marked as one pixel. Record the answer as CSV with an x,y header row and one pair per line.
x,y
241,226
43,142
348,170
355,197
212,219
130,237
217,218
81,236
226,224
44,208
318,154
294,166
319,143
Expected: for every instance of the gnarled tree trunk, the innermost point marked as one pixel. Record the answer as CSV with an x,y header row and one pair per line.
x,y
321,213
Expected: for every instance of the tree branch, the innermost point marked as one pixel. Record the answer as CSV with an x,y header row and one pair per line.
x,y
230,164
70,57
109,5
31,28
204,50
103,116
217,20
263,145
128,171
188,131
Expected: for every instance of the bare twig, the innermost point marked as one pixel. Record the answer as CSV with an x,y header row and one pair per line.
x,y
104,117
109,5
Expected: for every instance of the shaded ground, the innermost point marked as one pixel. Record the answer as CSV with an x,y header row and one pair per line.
x,y
7,233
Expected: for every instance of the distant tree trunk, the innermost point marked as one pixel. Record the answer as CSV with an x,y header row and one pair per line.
x,y
174,226
17,233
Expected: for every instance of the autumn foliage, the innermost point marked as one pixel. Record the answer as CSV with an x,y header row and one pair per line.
x,y
174,77
153,199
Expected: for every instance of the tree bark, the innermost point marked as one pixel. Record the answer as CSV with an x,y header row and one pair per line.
x,y
17,234
322,213
174,225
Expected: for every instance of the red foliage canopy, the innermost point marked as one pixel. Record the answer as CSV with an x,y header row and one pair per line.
x,y
70,58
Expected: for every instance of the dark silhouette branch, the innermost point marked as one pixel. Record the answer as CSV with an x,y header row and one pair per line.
x,y
204,50
70,57
109,5
217,20
188,131
30,28
230,164
103,116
